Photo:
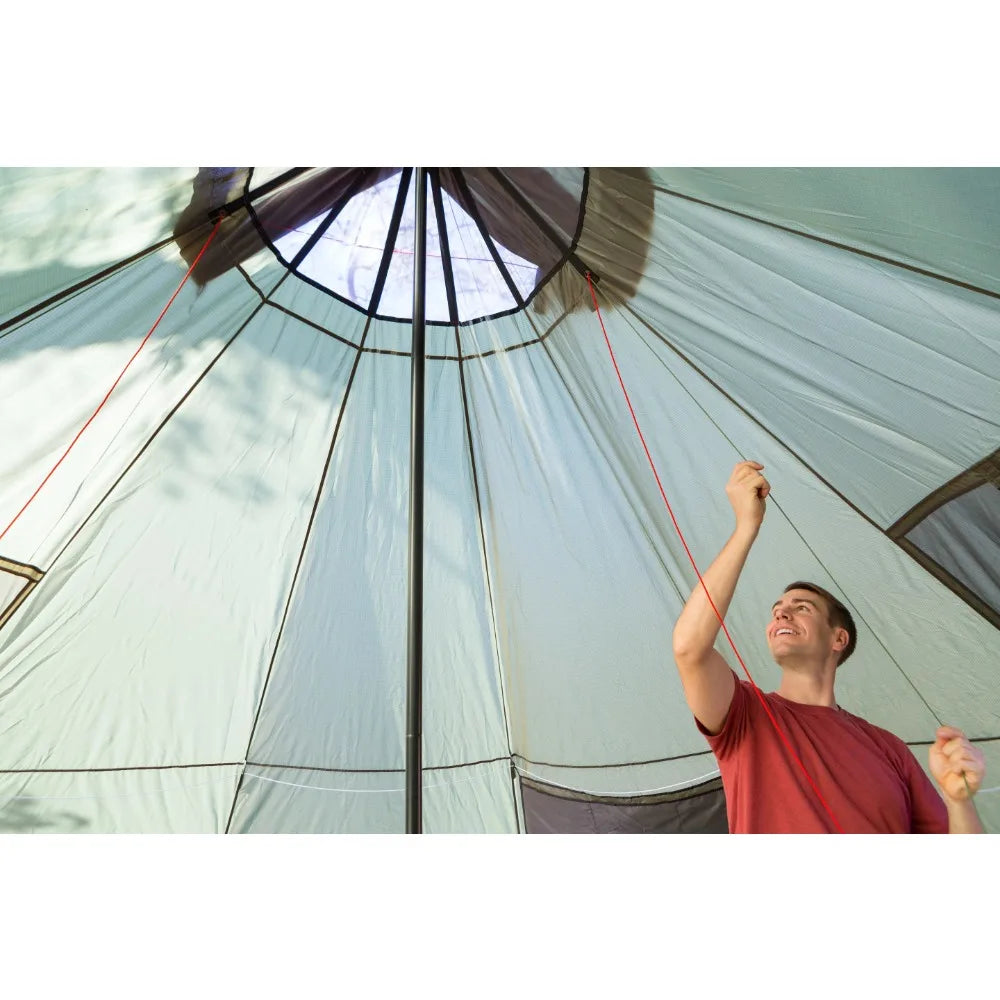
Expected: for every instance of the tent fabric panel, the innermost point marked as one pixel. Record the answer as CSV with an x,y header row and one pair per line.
x,y
702,810
810,533
578,548
397,338
963,536
476,799
71,356
61,226
884,381
942,220
147,641
319,309
535,440
337,693
176,800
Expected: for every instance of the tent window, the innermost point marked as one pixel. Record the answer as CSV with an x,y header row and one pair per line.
x,y
954,533
346,258
962,539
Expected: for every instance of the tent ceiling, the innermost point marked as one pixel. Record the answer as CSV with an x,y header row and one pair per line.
x,y
202,612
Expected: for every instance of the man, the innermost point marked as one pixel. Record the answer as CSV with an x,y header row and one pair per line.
x,y
866,777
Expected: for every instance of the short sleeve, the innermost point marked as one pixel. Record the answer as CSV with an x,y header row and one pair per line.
x,y
734,728
927,809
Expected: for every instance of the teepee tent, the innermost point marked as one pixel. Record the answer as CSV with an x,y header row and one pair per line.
x,y
203,572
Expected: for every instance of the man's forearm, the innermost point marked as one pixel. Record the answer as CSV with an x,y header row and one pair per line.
x,y
963,817
698,625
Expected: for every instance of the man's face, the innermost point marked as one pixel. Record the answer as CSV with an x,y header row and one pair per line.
x,y
799,627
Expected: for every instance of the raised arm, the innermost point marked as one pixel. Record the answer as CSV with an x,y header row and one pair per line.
x,y
708,682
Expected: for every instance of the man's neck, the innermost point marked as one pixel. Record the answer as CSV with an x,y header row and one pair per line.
x,y
811,685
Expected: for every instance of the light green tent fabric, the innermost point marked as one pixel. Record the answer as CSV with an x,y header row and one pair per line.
x,y
204,615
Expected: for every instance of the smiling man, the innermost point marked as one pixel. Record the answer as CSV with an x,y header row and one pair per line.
x,y
867,777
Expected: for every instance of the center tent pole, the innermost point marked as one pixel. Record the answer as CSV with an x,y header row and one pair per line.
x,y
415,616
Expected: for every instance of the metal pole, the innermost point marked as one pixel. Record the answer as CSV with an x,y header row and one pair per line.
x,y
415,617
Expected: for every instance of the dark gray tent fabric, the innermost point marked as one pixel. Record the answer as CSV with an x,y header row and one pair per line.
x,y
699,809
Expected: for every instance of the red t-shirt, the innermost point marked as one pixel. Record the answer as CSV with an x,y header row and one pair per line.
x,y
869,778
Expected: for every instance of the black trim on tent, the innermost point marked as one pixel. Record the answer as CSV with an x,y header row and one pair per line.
x,y
298,566
328,221
567,254
390,241
955,585
405,354
152,437
449,275
982,473
387,770
831,243
487,574
610,767
538,219
262,192
94,279
473,209
655,798
784,444
373,770
115,770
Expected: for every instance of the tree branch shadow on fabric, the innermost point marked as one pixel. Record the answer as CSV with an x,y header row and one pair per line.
x,y
20,816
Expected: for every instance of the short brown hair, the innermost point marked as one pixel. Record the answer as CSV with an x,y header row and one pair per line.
x,y
836,614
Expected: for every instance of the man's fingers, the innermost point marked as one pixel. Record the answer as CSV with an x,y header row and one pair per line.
x,y
955,746
945,733
962,765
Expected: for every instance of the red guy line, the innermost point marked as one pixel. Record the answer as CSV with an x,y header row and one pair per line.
x,y
117,380
680,534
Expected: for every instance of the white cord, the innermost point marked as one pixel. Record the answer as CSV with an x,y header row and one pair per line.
x,y
355,791
649,791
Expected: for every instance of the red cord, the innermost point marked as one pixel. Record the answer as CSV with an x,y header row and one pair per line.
x,y
680,535
117,380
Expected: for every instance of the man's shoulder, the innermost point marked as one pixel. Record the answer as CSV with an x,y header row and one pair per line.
x,y
883,736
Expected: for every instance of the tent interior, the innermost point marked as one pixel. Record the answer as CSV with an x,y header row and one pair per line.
x,y
204,483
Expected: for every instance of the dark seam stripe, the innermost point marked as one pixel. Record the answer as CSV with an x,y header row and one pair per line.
x,y
375,770
711,787
449,276
262,192
341,410
521,303
473,210
94,279
598,767
109,770
831,243
953,584
194,385
390,240
987,470
405,354
486,570
569,253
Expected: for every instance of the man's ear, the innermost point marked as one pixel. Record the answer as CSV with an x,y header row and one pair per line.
x,y
841,637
